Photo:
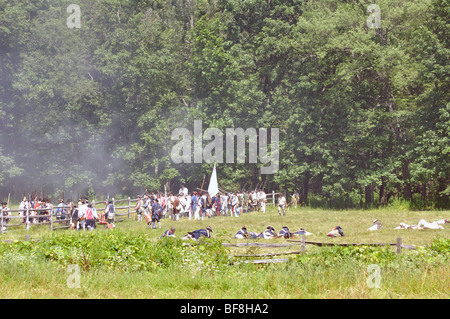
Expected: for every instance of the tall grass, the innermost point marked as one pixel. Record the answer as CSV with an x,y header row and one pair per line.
x,y
130,261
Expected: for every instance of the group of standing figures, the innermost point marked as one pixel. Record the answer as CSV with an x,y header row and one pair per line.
x,y
82,215
198,205
151,206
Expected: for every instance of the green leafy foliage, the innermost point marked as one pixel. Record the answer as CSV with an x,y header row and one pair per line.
x,y
120,251
362,112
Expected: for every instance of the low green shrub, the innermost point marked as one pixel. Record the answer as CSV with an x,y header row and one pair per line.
x,y
130,252
116,250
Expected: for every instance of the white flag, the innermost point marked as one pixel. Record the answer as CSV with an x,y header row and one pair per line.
x,y
213,187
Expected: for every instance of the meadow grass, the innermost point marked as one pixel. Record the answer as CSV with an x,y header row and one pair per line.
x,y
321,273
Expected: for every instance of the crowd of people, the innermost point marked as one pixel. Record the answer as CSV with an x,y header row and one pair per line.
x,y
82,215
151,206
154,205
199,205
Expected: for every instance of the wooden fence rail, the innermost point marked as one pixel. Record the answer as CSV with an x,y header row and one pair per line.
x,y
28,218
49,219
303,244
398,244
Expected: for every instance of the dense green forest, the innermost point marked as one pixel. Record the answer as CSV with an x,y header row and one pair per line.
x,y
362,108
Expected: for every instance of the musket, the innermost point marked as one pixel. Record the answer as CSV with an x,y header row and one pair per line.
x,y
203,181
33,196
165,190
7,204
145,191
29,198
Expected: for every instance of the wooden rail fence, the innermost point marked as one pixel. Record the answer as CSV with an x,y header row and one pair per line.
x,y
28,218
54,223
303,244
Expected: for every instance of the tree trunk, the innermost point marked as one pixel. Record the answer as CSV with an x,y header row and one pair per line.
x,y
368,196
305,188
383,193
361,202
407,194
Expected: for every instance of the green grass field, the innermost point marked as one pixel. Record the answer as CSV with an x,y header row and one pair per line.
x,y
138,265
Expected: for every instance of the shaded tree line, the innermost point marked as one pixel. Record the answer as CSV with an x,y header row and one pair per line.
x,y
363,113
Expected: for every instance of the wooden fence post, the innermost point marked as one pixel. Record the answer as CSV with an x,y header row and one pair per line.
x,y
273,198
28,218
129,207
399,245
51,219
303,246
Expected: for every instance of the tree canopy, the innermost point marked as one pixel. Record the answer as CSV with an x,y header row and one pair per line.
x,y
362,108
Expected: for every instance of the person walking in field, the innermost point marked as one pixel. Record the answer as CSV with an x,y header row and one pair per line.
x,y
234,203
170,206
209,206
90,217
59,211
82,215
138,208
74,217
183,210
263,200
156,213
187,207
146,204
147,207
45,210
36,212
5,212
224,204
194,206
282,205
177,208
24,208
110,213
294,199
202,204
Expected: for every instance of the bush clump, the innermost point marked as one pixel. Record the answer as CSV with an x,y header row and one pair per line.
x,y
117,250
